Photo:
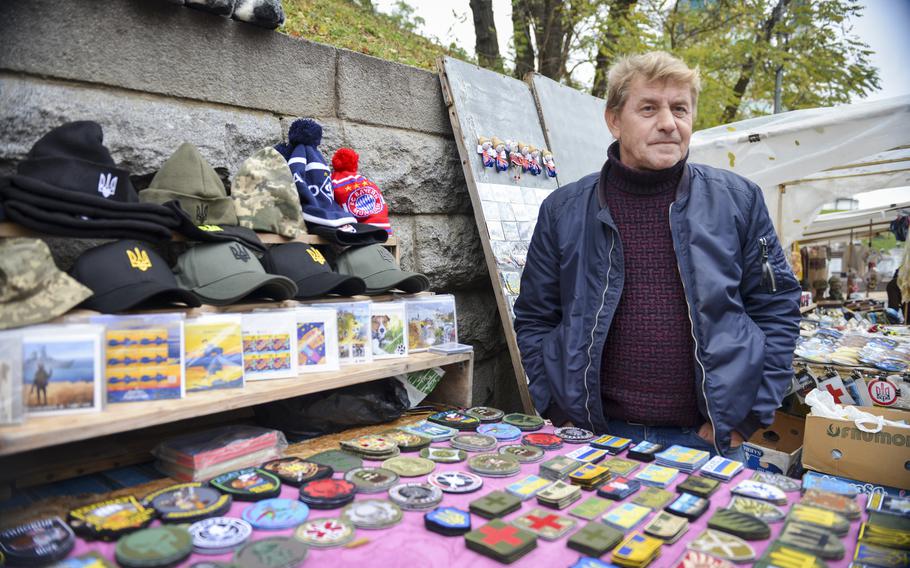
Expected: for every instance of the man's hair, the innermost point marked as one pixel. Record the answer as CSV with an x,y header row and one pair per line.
x,y
651,66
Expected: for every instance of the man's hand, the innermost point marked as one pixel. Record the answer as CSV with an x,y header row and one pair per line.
x,y
706,432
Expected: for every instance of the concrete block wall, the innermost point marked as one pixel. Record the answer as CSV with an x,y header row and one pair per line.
x,y
154,75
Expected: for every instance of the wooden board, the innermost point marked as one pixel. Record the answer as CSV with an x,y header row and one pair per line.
x,y
46,431
484,103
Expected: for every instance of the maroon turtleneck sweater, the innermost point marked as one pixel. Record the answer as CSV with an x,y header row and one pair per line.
x,y
648,366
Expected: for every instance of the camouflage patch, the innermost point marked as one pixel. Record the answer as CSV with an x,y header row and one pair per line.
x,y
32,288
265,197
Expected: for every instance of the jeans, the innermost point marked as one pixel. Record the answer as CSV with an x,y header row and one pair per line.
x,y
669,435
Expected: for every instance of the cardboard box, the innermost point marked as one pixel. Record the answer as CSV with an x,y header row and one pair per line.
x,y
840,448
778,447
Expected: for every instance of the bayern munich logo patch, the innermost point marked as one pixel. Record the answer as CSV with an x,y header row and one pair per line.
x,y
365,201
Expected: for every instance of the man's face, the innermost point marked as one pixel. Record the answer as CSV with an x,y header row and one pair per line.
x,y
654,126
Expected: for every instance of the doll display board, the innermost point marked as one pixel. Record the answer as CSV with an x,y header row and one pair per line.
x,y
483,103
574,125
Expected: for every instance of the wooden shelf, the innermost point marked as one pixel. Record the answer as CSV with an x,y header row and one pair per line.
x,y
45,431
807,309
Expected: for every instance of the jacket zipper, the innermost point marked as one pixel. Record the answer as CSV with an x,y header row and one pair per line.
x,y
767,272
704,375
603,301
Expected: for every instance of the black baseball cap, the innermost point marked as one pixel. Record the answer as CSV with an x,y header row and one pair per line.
x,y
124,274
353,234
223,273
378,268
306,266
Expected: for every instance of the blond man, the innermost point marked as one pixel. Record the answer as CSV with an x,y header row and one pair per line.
x,y
656,302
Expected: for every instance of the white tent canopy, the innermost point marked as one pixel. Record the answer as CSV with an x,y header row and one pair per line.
x,y
806,158
861,223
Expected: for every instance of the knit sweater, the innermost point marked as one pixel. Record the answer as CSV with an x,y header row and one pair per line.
x,y
648,367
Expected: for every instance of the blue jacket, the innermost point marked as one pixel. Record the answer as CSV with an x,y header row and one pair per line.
x,y
742,297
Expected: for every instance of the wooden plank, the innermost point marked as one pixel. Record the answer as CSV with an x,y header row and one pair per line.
x,y
521,381
456,387
46,431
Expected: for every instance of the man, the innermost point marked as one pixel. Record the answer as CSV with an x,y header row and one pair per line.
x,y
656,302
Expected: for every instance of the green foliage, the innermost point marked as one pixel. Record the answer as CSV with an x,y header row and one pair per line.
x,y
355,25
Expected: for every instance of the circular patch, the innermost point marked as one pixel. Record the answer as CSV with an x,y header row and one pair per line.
x,y
443,455
494,465
415,496
409,467
218,535
272,552
456,481
276,514
574,435
210,564
473,442
882,391
545,441
502,432
524,422
110,519
371,444
295,471
337,460
365,201
324,533
249,484
371,479
327,493
157,546
485,413
187,503
523,453
408,442
454,419
372,514
37,543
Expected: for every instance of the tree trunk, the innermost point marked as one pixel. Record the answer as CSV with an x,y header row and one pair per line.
x,y
550,32
487,44
619,11
521,37
747,70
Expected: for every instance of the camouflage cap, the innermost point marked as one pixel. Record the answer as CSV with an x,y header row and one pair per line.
x,y
32,288
265,197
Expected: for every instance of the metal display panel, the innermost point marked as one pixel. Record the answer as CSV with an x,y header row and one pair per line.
x,y
485,103
574,126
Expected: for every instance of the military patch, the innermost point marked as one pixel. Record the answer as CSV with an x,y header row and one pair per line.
x,y
337,460
595,539
699,486
371,479
626,516
813,480
407,441
276,514
587,454
494,465
447,521
689,506
880,536
682,458
666,527
371,446
558,468
415,496
657,475
546,525
187,503
880,556
780,555
644,451
524,454
591,508
758,490
528,487
696,559
782,482
502,432
723,545
409,467
543,441
453,419
888,504
455,481
294,471
613,444
588,562
272,552
846,506
559,495
109,519
372,514
37,543
621,467
636,550
590,475
324,533
525,422
158,546
327,493
742,525
574,435
87,560
485,413
653,498
471,442
501,541
495,504
722,468
219,535
443,455
888,521
435,432
813,539
618,488
758,509
834,522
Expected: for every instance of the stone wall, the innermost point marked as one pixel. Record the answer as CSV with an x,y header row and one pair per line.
x,y
154,75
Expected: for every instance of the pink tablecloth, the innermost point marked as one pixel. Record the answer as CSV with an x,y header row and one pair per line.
x,y
410,545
